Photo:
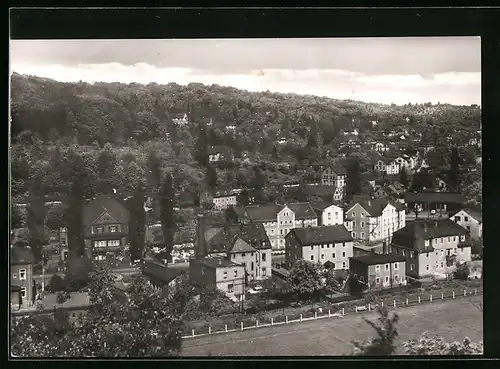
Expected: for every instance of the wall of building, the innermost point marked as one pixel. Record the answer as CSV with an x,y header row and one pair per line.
x,y
235,276
332,215
257,264
382,275
472,225
225,202
26,283
337,253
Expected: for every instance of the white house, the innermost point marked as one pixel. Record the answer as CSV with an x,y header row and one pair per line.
x,y
224,199
329,214
278,220
470,220
180,119
375,220
330,244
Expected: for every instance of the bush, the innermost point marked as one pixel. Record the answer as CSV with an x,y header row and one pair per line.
x,y
462,272
56,284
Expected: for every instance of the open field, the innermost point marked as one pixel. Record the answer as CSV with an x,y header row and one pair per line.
x,y
452,319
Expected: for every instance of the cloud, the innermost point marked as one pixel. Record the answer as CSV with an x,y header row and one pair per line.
x,y
455,88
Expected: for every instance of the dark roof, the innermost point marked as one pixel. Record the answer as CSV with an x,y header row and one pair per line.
x,y
160,272
21,255
317,235
320,205
15,288
222,239
375,207
374,259
302,210
218,263
241,246
115,207
434,197
415,233
263,212
337,168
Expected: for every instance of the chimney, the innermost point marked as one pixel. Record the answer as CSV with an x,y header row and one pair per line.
x,y
200,238
220,262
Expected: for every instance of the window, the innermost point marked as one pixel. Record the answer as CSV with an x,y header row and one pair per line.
x,y
353,214
343,265
427,254
386,279
377,268
322,256
354,223
362,235
114,243
343,254
362,215
112,229
396,277
466,219
412,266
343,244
243,254
353,234
442,264
312,257
362,224
442,239
312,247
225,275
396,251
462,238
426,242
236,272
329,216
336,214
386,267
322,246
234,256
327,245
404,252
427,267
333,255
23,292
22,274
230,288
99,229
377,280
263,256
449,239
100,243
442,252
251,254
412,254
244,265
14,276
251,266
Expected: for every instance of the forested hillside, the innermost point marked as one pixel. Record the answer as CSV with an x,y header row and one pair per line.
x,y
116,134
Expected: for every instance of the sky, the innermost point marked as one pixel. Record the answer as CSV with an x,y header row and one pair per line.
x,y
383,70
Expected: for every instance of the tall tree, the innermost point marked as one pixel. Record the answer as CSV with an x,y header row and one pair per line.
x,y
305,280
137,226
211,177
454,174
353,183
312,141
35,221
154,167
106,165
167,215
403,177
201,153
275,152
384,343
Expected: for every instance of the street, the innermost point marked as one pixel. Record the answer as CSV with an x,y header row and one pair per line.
x,y
452,319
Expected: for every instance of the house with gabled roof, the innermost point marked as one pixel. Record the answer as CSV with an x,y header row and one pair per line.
x,y
278,220
334,176
332,244
432,247
244,244
105,225
471,220
180,119
22,285
375,220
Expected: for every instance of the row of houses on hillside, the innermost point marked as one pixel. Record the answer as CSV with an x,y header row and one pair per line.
x,y
394,166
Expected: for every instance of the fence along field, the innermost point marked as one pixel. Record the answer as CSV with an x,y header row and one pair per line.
x,y
334,312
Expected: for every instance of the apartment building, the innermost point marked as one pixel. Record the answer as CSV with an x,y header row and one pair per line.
x,y
378,271
328,214
279,220
471,220
432,247
328,244
375,220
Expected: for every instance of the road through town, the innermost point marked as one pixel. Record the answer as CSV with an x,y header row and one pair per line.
x,y
452,319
